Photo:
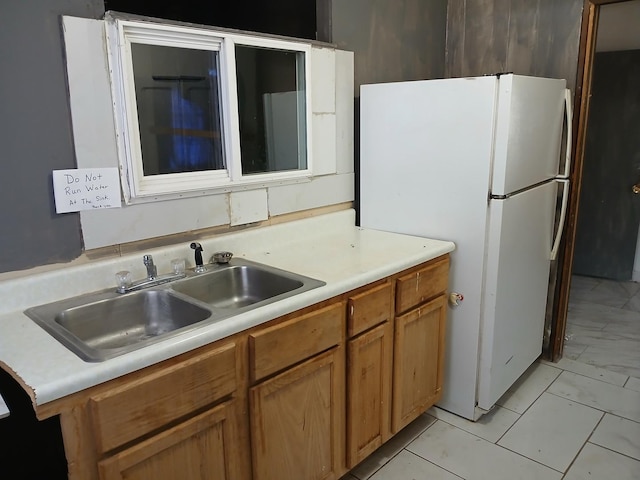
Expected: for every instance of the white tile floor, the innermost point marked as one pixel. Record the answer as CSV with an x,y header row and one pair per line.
x,y
603,324
576,419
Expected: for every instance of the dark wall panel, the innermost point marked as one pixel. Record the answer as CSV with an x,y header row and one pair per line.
x,y
523,45
609,214
392,40
35,132
527,37
487,26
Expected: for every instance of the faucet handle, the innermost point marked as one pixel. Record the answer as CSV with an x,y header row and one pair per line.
x,y
123,280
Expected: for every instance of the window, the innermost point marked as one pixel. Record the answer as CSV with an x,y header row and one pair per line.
x,y
201,111
177,95
271,109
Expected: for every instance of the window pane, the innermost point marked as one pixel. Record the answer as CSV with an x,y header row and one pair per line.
x,y
177,94
271,106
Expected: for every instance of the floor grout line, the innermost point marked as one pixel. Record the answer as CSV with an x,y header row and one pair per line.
x,y
433,463
612,450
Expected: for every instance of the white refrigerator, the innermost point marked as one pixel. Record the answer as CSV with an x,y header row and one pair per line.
x,y
475,161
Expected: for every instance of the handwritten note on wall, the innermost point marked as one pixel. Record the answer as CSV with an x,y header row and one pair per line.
x,y
86,189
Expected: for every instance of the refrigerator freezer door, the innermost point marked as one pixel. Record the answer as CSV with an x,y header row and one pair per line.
x,y
425,170
528,132
517,280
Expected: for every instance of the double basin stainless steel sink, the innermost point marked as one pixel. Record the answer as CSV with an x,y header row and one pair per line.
x,y
103,325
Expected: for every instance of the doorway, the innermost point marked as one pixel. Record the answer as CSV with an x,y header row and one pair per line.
x,y
603,316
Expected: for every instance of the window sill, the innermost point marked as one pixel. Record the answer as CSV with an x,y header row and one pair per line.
x,y
217,190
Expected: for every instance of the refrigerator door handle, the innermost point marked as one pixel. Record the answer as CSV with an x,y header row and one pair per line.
x,y
563,214
569,116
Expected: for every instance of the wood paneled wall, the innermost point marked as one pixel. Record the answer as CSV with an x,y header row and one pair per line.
x,y
392,40
526,37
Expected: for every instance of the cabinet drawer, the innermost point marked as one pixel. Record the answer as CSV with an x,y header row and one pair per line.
x,y
414,288
141,406
292,341
368,309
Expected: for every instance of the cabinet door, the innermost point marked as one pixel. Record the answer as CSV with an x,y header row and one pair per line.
x,y
200,448
297,420
418,361
369,392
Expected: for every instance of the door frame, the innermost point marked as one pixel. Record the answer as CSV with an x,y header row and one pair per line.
x,y
582,94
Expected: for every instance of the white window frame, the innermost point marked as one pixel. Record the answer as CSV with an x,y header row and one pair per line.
x,y
138,188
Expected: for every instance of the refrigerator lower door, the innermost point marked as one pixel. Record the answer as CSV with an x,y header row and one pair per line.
x,y
515,292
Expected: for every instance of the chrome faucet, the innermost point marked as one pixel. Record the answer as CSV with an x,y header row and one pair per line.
x,y
125,285
152,270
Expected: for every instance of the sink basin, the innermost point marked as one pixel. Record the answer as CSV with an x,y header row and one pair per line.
x,y
109,327
103,325
238,286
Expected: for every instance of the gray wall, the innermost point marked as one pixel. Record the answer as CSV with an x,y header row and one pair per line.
x,y
35,132
526,37
392,40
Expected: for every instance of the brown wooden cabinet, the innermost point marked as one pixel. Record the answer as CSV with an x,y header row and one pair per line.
x,y
308,395
182,418
418,361
297,415
296,421
199,448
419,341
137,407
369,358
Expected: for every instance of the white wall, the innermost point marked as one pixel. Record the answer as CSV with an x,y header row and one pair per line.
x,y
95,146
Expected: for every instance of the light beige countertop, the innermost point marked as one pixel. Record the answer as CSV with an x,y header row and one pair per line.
x,y
328,247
